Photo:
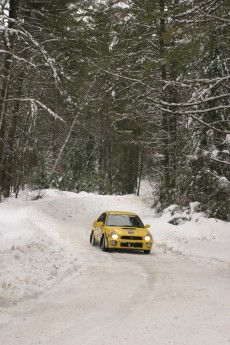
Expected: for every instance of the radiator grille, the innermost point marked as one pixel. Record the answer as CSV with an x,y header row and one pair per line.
x,y
131,238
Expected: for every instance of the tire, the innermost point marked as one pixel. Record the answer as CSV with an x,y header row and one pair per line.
x,y
92,239
103,244
146,251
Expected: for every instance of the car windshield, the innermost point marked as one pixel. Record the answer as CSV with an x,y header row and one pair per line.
x,y
124,220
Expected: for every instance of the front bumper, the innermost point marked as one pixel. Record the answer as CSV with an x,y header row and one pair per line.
x,y
130,244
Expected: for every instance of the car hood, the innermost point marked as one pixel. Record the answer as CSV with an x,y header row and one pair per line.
x,y
128,231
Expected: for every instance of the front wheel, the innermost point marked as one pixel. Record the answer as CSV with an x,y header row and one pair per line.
x,y
103,244
92,239
146,251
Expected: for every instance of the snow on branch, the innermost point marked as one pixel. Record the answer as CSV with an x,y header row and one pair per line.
x,y
123,77
64,145
220,161
190,114
205,100
35,101
197,81
50,62
17,57
216,18
202,111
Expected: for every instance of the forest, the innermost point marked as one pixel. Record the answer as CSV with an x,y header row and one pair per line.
x,y
96,95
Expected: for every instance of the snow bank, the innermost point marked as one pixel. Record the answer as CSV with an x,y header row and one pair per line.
x,y
32,256
207,238
194,234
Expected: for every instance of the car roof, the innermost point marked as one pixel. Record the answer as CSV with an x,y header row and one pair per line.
x,y
120,212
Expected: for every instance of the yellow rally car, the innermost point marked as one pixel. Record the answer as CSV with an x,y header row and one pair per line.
x,y
121,230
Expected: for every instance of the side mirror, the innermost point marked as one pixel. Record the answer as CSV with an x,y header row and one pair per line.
x,y
147,226
100,224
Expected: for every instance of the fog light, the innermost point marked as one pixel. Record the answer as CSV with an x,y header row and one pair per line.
x,y
113,243
148,245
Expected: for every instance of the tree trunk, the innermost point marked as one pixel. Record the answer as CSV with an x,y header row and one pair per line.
x,y
9,42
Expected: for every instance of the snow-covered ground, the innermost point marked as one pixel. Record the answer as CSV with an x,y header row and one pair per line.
x,y
46,259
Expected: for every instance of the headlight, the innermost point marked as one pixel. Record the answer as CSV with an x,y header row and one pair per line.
x,y
147,238
114,235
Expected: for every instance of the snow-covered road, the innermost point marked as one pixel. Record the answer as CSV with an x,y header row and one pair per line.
x,y
122,298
